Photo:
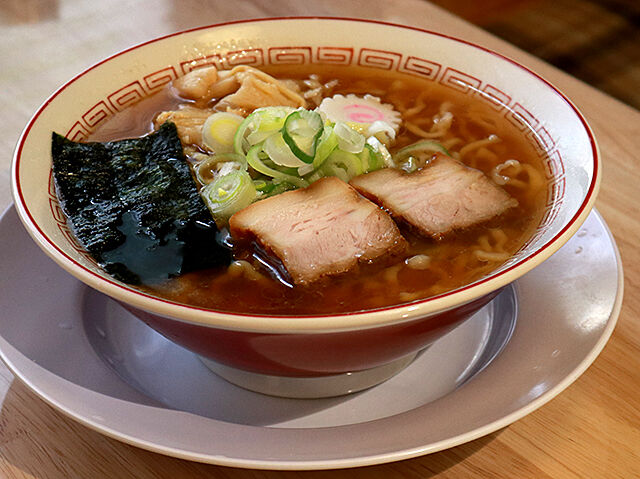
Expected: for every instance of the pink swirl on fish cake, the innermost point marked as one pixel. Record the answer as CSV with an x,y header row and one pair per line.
x,y
362,113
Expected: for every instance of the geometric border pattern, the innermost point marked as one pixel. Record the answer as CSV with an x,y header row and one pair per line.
x,y
516,113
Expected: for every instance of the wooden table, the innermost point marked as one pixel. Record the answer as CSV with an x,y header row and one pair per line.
x,y
592,430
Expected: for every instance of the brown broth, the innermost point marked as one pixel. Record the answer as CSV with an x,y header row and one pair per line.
x,y
453,262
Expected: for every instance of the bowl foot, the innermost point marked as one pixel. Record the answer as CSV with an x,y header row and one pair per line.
x,y
309,387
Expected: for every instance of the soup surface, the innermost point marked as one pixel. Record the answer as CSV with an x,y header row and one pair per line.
x,y
467,127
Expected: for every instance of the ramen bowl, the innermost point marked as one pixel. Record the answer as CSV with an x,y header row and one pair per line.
x,y
328,354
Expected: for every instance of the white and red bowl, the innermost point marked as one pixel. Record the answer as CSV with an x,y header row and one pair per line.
x,y
328,354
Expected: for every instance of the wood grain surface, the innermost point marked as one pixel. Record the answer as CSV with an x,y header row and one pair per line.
x,y
591,430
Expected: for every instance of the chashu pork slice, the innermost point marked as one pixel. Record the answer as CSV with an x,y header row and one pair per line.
x,y
443,196
322,230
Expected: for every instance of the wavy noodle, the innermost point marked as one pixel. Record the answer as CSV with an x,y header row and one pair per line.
x,y
491,247
500,237
483,159
536,180
486,123
314,90
451,143
445,106
390,274
486,154
443,121
417,108
474,145
422,124
416,130
491,257
406,297
440,126
519,175
503,179
481,119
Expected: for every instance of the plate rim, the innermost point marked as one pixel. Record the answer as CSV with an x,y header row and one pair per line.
x,y
315,464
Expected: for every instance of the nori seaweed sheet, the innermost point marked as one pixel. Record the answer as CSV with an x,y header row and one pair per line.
x,y
134,205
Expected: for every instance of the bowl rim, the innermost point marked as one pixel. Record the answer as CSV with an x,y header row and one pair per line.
x,y
304,323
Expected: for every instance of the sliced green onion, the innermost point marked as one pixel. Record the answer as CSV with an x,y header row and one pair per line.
x,y
228,167
258,126
259,136
240,144
206,170
349,140
270,121
293,148
343,164
301,132
371,160
272,118
327,143
280,153
219,130
412,157
228,194
280,188
423,146
305,169
336,170
260,185
381,151
266,188
315,176
376,158
257,164
271,164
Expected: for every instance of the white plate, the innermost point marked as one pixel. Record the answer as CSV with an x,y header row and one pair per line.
x,y
84,355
